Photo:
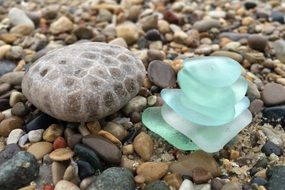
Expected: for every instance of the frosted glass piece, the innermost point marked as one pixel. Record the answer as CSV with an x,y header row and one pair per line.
x,y
213,70
239,88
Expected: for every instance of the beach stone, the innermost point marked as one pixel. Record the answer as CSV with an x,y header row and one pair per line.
x,y
278,17
152,171
273,94
230,54
35,135
6,66
84,169
23,140
52,132
85,183
73,140
110,137
57,170
250,5
216,184
18,18
149,22
80,81
201,159
274,114
157,185
83,33
279,47
200,175
257,42
20,170
115,178
128,31
20,109
61,154
152,35
94,127
13,78
4,105
273,135
161,74
64,184
136,104
9,124
175,180
143,145
106,150
115,129
119,42
187,185
4,87
254,57
63,24
71,173
59,142
252,91
232,186
276,178
206,24
256,106
88,154
42,121
4,49
40,149
16,97
8,152
269,148
14,136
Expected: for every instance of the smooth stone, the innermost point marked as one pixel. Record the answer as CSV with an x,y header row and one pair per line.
x,y
250,5
72,140
128,31
85,183
4,87
23,140
206,24
252,91
6,66
196,159
273,135
40,149
13,78
64,184
216,184
16,97
104,148
115,129
152,35
20,170
4,104
86,153
277,16
14,136
144,146
269,148
9,124
136,104
114,178
200,175
20,109
277,178
83,33
232,186
254,57
257,42
157,185
110,137
274,114
4,49
85,169
133,132
63,24
104,16
71,174
256,106
94,127
149,22
35,135
42,121
57,170
187,185
59,142
229,54
234,36
161,74
174,180
120,42
152,171
259,181
273,94
113,71
52,132
19,17
8,152
61,154
154,54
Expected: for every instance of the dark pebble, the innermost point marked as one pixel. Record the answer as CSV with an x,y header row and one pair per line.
x,y
84,169
259,181
20,109
40,122
73,139
276,178
135,117
171,17
133,132
269,148
216,184
114,178
157,185
152,35
262,163
89,155
249,5
274,115
257,42
83,33
142,43
9,151
4,104
278,17
18,171
6,66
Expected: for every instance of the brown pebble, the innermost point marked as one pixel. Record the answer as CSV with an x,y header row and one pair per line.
x,y
85,183
52,132
273,94
57,170
200,175
94,127
139,179
175,180
9,124
152,171
61,154
40,149
143,145
110,137
115,129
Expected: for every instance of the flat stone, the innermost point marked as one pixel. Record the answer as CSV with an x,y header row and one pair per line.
x,y
6,66
9,124
113,178
20,170
35,135
61,154
230,54
206,24
9,151
104,148
257,42
152,171
14,136
64,184
143,145
52,132
13,78
57,170
273,94
128,31
63,24
40,149
116,129
269,148
42,121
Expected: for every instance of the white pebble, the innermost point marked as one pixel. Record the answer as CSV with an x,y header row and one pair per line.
x,y
14,136
187,185
35,135
23,140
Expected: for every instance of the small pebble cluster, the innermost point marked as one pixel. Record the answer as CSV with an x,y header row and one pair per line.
x,y
115,151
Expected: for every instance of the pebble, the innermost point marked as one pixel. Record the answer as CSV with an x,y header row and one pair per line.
x,y
73,140
116,129
3,50
161,74
252,91
57,170
85,183
257,42
254,57
269,148
277,16
187,185
206,24
14,136
61,154
200,175
104,148
35,135
110,137
114,178
71,174
196,159
84,169
171,17
163,26
128,31
23,140
173,180
6,66
149,22
155,55
86,153
8,152
157,185
63,185
274,114
279,47
152,171
128,149
144,146
52,132
59,142
40,149
18,171
83,130
4,87
15,53
232,186
4,105
216,184
16,97
20,109
120,42
94,127
137,104
18,18
273,94
152,35
13,78
259,181
63,24
273,135
9,124
250,5
256,106
230,54
83,33
40,122
276,178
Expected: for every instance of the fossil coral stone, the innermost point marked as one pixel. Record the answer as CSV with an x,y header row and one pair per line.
x,y
84,81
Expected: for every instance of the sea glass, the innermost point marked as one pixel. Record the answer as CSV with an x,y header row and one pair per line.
x,y
208,111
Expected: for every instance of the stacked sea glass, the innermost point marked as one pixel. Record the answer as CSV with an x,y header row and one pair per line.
x,y
208,111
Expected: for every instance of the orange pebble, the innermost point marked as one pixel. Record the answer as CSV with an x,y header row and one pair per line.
x,y
48,187
59,142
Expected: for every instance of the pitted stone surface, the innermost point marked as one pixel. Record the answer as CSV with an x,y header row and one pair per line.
x,y
84,81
